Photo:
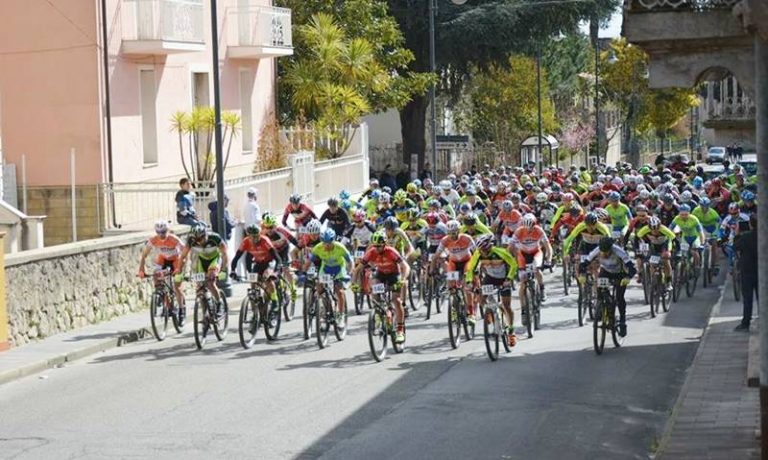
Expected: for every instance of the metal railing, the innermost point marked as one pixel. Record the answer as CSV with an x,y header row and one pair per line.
x,y
265,26
733,108
166,20
639,6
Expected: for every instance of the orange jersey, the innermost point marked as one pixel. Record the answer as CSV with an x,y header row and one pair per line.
x,y
459,250
168,248
509,220
529,240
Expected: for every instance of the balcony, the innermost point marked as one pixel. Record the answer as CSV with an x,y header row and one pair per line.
x,y
256,32
162,26
726,106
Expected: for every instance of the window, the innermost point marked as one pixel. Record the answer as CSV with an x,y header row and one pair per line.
x,y
148,90
246,115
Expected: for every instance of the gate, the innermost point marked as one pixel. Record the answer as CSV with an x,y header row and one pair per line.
x,y
303,175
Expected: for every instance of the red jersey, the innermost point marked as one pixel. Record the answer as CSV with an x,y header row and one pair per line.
x,y
566,220
168,248
261,250
301,215
385,262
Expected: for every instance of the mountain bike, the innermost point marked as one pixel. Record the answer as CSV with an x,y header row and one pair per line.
x,y
458,316
363,295
381,327
308,304
659,289
433,291
285,298
530,302
324,306
164,306
494,321
207,314
415,286
257,310
708,262
605,318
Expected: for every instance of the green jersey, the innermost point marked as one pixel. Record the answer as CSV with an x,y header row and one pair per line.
x,y
689,226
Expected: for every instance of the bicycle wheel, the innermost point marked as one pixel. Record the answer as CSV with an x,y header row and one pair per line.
x,y
647,285
202,324
469,327
359,299
491,334
159,313
706,261
413,290
581,304
690,279
618,340
340,327
398,347
248,323
530,303
598,329
537,313
221,325
502,322
322,324
272,320
654,296
286,300
428,296
677,281
454,321
377,334
309,311
566,277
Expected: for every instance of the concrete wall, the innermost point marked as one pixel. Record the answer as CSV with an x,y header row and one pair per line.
x,y
54,290
56,204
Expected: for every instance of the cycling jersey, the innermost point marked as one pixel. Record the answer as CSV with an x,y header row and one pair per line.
x,y
567,222
690,226
168,248
207,250
400,208
338,221
614,262
666,215
281,239
498,263
588,236
360,235
385,262
262,251
333,260
399,240
459,249
301,214
478,229
620,215
509,220
529,240
435,235
665,236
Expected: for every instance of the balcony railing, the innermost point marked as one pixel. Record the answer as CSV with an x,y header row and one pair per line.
x,y
733,108
259,32
162,26
640,6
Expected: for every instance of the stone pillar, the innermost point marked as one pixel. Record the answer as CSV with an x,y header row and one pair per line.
x,y
761,144
4,343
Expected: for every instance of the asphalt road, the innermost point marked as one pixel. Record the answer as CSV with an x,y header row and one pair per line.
x,y
551,398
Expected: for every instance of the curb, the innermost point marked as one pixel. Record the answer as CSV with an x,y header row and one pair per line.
x,y
120,339
687,383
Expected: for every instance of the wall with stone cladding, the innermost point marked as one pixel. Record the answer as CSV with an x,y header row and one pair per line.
x,y
57,289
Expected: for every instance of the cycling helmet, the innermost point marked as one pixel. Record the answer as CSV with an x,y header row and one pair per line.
x,y
507,205
269,220
453,226
602,214
568,197
412,213
528,186
386,189
378,239
485,242
198,230
645,170
668,198
616,181
400,195
417,183
391,223
412,188
465,208
514,197
686,196
470,219
575,210
640,208
542,197
684,208
555,188
328,235
333,201
161,227
606,244
295,198
427,183
591,218
614,196
733,208
644,194
446,185
432,218
470,191
375,194
358,216
373,182
252,230
344,195
433,204
313,227
543,182
385,197
654,222
697,182
528,221
746,195
704,202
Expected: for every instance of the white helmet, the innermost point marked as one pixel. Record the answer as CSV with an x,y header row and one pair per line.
x,y
446,185
453,226
161,226
529,220
385,198
313,226
686,196
541,198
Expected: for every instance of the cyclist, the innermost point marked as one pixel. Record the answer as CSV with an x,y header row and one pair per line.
x,y
337,218
660,239
336,262
282,240
359,233
590,232
262,253
620,216
473,227
691,231
499,268
734,223
306,241
414,226
435,232
169,247
668,209
507,220
528,241
710,221
569,220
208,250
385,210
389,269
616,265
401,205
301,213
458,247
748,205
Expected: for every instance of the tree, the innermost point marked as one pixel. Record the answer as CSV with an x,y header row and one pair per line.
x,y
370,21
504,106
476,35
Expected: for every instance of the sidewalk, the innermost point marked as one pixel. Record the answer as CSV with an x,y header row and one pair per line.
x,y
717,416
79,343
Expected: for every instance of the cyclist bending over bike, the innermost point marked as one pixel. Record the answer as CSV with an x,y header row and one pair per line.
x,y
616,265
389,268
207,250
458,247
335,261
262,253
691,231
660,239
169,248
527,242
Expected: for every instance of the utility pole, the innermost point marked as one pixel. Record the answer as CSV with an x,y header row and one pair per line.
x,y
538,95
217,119
432,68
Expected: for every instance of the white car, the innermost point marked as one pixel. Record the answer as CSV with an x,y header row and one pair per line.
x,y
715,155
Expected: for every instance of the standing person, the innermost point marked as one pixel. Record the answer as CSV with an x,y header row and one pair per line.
x,y
387,179
746,245
426,173
229,221
251,216
739,151
185,199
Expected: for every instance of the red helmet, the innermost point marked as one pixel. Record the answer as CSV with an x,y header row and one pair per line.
x,y
432,218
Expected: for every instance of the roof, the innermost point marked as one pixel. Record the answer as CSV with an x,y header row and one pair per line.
x,y
547,140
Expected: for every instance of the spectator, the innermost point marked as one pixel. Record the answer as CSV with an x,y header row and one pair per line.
x,y
746,244
229,222
387,179
739,150
185,199
251,210
659,160
403,177
426,173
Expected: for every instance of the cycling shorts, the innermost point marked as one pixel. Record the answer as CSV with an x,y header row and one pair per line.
x,y
207,265
391,280
162,263
263,270
498,282
525,258
454,266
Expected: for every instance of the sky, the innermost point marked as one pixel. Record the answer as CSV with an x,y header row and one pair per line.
x,y
612,31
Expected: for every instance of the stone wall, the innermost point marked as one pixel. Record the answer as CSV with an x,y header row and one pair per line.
x,y
57,289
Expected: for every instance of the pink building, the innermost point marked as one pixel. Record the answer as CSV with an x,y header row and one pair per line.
x,y
53,91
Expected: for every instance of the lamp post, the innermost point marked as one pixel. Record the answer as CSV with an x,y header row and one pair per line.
x,y
217,120
538,97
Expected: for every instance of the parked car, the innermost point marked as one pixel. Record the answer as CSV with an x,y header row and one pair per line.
x,y
711,171
715,155
749,163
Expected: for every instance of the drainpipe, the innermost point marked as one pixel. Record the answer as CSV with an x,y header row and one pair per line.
x,y
108,107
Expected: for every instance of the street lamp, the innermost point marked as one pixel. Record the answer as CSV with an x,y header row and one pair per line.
x,y
432,69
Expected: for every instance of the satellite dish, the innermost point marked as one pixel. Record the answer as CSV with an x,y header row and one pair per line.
x,y
458,2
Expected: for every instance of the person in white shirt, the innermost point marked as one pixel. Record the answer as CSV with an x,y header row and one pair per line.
x,y
251,210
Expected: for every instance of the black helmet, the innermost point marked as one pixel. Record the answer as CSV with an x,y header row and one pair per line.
x,y
391,223
295,198
606,243
252,230
471,219
591,218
